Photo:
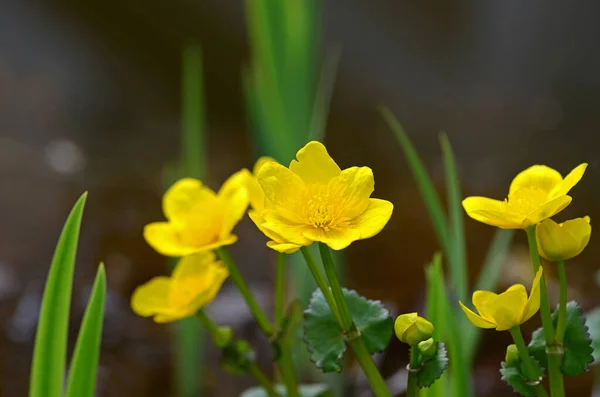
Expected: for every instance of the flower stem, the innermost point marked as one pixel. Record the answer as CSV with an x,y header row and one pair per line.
x,y
528,364
355,342
562,306
238,280
321,282
413,369
263,380
557,388
280,273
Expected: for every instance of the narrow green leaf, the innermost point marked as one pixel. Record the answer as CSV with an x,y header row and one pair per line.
x,y
84,364
50,350
457,256
424,182
433,368
323,97
312,390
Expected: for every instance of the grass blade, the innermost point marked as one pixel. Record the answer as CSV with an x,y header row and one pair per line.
x,y
424,183
50,350
323,98
84,364
457,256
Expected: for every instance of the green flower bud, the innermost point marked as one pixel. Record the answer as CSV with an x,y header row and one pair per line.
x,y
412,329
428,348
223,336
512,355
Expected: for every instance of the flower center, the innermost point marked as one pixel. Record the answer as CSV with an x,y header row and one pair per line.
x,y
526,200
320,212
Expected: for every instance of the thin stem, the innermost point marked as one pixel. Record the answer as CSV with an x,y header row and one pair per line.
x,y
562,306
238,280
288,372
413,369
336,288
263,380
321,282
207,322
354,340
528,364
280,280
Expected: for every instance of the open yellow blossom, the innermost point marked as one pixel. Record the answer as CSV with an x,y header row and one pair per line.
x,y
559,242
199,219
535,194
193,285
506,310
314,200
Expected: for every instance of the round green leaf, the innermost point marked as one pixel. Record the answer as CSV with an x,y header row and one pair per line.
x,y
433,368
324,337
312,390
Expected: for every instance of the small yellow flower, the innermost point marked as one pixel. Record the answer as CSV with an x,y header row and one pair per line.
x,y
314,200
535,194
559,242
199,219
193,285
412,329
507,310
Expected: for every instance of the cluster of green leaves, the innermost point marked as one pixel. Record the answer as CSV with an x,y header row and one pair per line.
x,y
460,336
50,351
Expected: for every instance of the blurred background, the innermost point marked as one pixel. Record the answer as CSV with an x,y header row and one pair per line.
x,y
91,100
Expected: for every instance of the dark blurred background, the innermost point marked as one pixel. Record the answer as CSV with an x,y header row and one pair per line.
x,y
90,100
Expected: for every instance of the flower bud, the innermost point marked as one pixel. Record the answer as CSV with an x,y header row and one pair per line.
x,y
412,329
512,355
559,242
428,348
223,336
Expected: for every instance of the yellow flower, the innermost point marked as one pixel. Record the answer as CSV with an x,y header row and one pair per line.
x,y
198,219
507,310
535,194
314,200
255,192
193,285
559,242
412,329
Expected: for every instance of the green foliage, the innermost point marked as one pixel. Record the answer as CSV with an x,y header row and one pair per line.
x,y
288,332
513,375
237,357
325,338
577,343
50,350
593,322
84,364
312,390
433,367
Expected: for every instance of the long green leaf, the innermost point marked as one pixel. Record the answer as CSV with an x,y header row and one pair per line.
x,y
323,98
50,350
84,364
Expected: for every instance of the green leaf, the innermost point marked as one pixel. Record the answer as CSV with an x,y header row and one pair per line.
x,y
593,322
433,368
325,338
84,364
237,357
577,344
513,375
50,350
312,390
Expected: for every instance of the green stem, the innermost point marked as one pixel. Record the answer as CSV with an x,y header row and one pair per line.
x,y
321,282
238,280
354,340
207,322
280,280
263,380
528,365
413,369
557,388
562,306
288,373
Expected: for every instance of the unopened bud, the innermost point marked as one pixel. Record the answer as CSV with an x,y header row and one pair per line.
x,y
412,329
512,355
428,348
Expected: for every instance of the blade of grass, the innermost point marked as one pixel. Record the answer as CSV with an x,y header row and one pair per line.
x,y
50,350
84,363
323,97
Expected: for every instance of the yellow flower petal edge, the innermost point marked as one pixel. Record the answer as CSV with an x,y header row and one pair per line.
x,y
315,200
506,310
559,242
535,194
198,219
195,282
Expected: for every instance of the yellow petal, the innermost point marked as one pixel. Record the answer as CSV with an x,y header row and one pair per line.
x,y
533,302
278,243
476,319
483,302
285,229
285,248
152,297
509,307
491,212
314,165
336,239
538,176
194,265
183,197
353,186
547,210
373,219
570,180
284,190
234,209
215,276
580,230
260,162
165,239
553,243
234,183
